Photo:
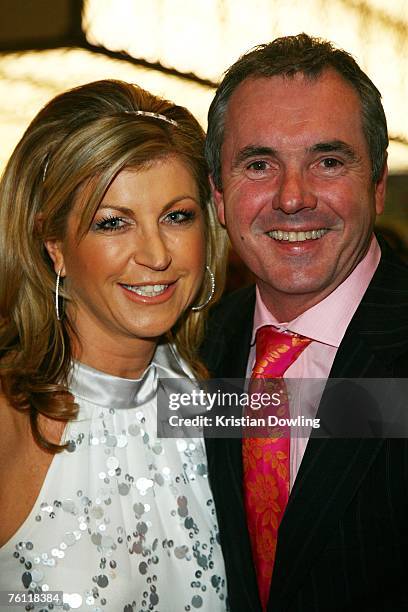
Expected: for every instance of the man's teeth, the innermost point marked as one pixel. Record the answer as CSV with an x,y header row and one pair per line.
x,y
147,290
297,236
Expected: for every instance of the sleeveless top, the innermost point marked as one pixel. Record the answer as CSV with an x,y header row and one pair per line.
x,y
124,521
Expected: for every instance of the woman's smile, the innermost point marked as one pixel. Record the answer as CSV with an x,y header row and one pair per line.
x,y
141,263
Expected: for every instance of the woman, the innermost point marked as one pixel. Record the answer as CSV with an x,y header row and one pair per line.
x,y
107,255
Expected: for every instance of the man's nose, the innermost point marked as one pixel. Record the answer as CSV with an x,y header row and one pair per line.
x,y
151,250
294,192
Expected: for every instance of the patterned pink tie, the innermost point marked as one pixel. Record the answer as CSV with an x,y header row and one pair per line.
x,y
266,460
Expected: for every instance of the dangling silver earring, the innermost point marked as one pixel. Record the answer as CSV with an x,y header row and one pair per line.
x,y
211,294
57,284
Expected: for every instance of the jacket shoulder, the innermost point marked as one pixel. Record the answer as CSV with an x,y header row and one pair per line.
x,y
237,304
229,320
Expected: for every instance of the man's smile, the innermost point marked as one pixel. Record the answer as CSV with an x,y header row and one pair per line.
x,y
297,236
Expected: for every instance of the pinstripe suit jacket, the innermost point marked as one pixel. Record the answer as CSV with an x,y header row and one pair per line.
x,y
343,540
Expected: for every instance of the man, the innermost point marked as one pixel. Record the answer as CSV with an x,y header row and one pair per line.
x,y
296,147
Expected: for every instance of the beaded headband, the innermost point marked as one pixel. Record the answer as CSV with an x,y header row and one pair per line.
x,y
154,115
132,112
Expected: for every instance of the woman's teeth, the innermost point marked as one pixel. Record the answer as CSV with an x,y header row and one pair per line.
x,y
147,290
297,236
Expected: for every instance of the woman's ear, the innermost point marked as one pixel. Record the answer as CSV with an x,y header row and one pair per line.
x,y
54,247
54,251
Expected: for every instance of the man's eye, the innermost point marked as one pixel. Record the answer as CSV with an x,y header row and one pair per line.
x,y
259,165
178,217
110,224
331,162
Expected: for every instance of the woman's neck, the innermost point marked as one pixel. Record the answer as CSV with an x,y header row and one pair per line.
x,y
124,361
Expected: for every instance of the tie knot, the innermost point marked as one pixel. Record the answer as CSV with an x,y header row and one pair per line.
x,y
276,351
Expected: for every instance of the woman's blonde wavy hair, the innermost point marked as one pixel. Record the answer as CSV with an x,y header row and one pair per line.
x,y
84,136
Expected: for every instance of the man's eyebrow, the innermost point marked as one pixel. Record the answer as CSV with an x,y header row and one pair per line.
x,y
334,146
251,151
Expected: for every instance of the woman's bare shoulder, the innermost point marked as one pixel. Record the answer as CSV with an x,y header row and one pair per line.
x,y
13,428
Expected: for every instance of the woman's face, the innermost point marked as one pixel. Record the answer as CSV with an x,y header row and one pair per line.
x,y
141,263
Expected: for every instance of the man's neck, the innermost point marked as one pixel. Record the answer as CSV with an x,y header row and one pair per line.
x,y
287,308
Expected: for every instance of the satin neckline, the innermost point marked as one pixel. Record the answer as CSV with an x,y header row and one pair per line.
x,y
110,391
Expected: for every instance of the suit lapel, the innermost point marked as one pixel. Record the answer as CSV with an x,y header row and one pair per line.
x,y
378,333
369,349
225,461
238,330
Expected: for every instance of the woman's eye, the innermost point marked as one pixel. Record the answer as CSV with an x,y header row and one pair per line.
x,y
178,217
110,224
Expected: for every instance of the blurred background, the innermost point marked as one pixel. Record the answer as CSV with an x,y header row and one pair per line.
x,y
180,48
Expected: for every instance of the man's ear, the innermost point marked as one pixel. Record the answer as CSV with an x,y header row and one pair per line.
x,y
54,251
380,189
219,201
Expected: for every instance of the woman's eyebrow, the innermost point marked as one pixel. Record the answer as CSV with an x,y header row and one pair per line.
x,y
130,211
123,209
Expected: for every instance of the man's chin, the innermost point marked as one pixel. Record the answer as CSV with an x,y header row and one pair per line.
x,y
293,292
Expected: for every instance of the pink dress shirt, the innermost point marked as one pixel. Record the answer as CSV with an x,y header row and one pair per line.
x,y
326,324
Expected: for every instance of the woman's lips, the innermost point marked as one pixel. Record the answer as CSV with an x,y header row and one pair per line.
x,y
154,293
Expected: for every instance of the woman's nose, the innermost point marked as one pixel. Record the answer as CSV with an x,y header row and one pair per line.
x,y
152,250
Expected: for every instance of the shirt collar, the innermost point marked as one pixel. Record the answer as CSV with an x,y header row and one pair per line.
x,y
327,321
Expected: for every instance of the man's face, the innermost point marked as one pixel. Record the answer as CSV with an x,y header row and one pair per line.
x,y
297,193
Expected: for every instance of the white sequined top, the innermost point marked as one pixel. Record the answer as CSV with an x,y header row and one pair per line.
x,y
124,521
